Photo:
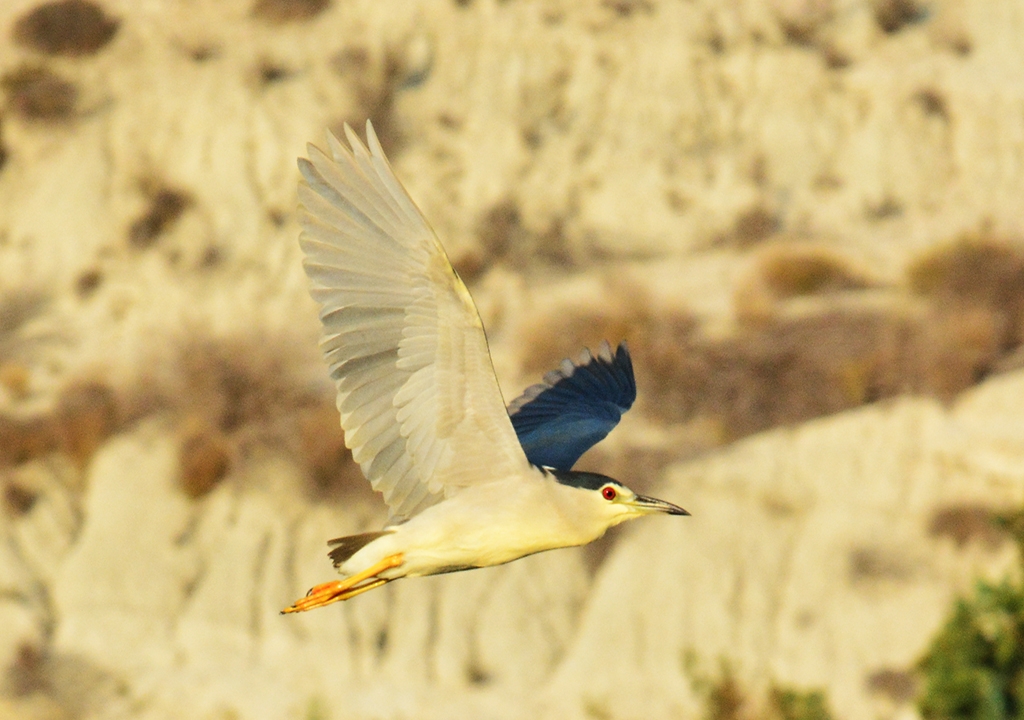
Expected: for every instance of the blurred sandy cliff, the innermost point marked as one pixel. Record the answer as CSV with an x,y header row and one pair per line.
x,y
803,215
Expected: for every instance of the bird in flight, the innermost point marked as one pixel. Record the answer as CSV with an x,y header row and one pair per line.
x,y
469,482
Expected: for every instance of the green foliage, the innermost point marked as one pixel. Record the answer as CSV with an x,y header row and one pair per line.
x,y
789,704
726,699
316,709
974,668
1012,523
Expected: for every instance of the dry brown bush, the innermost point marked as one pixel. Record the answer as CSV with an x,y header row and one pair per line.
x,y
204,457
65,27
37,93
166,205
868,564
899,685
277,12
789,368
18,499
782,271
232,395
965,523
978,271
24,439
86,414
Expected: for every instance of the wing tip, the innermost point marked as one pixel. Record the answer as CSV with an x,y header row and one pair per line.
x,y
358,148
568,366
612,373
305,164
373,142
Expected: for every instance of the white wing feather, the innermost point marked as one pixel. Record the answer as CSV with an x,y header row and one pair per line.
x,y
419,403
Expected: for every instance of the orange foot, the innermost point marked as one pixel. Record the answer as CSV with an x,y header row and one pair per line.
x,y
336,590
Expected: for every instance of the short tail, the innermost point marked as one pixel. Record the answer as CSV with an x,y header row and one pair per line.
x,y
346,547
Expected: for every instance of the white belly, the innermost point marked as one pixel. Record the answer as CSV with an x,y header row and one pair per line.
x,y
480,526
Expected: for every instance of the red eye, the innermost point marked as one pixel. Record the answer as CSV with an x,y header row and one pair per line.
x,y
608,493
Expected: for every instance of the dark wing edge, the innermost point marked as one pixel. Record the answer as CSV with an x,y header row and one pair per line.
x,y
574,407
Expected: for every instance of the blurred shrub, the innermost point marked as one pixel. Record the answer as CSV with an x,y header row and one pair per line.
x,y
974,668
967,522
227,396
893,15
66,27
898,685
166,205
18,499
652,332
874,564
204,457
232,394
977,271
37,93
24,439
789,704
503,238
783,371
726,699
320,448
787,270
975,665
85,414
790,367
277,12
786,371
752,226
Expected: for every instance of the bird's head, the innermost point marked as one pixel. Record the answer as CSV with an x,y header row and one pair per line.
x,y
609,501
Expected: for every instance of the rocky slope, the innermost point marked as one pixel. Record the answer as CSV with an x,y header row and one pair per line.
x,y
756,196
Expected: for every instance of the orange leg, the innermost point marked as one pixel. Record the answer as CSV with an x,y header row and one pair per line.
x,y
336,590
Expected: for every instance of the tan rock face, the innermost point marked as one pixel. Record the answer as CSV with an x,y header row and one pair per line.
x,y
813,558
184,598
607,168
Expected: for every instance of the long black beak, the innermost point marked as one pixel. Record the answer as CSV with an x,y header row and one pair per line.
x,y
649,504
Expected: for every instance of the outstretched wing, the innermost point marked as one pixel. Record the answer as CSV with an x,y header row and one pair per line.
x,y
419,403
575,407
